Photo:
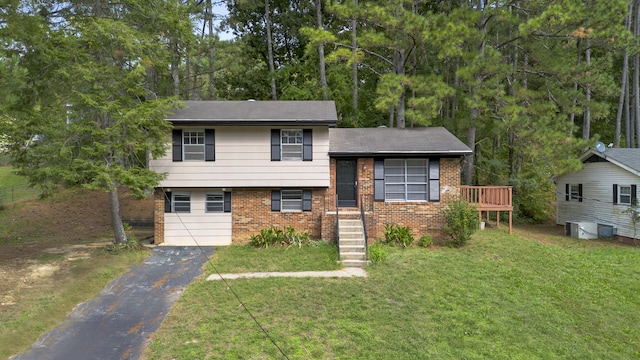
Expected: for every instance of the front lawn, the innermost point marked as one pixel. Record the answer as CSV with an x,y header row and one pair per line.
x,y
500,297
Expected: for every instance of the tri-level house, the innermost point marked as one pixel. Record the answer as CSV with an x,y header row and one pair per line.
x,y
236,167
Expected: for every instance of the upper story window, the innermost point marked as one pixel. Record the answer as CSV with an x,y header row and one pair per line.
x,y
291,144
407,180
194,145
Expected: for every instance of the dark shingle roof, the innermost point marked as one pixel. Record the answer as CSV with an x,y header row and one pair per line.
x,y
256,113
626,158
393,141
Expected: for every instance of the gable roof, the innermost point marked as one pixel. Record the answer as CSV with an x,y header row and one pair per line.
x,y
301,113
395,142
626,158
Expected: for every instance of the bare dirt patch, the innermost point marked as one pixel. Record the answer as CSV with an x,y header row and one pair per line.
x,y
42,237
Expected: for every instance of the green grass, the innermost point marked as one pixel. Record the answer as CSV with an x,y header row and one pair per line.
x,y
41,309
501,297
14,188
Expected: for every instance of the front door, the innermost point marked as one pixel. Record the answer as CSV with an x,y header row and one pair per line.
x,y
346,182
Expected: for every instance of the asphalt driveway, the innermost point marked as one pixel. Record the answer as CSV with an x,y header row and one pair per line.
x,y
118,323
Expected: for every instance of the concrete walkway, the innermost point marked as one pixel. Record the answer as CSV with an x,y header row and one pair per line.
x,y
346,272
118,322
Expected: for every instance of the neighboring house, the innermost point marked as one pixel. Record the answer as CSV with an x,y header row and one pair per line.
x,y
237,167
600,199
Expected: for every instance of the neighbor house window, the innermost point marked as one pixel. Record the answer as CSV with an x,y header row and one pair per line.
x,y
291,144
624,194
181,202
215,202
194,145
573,192
291,200
405,179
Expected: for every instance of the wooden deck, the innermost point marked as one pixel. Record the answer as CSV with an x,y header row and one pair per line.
x,y
488,199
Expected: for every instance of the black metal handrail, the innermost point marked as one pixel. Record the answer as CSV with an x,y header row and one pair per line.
x,y
364,227
337,228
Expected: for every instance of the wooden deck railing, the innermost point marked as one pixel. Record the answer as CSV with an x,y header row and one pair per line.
x,y
490,198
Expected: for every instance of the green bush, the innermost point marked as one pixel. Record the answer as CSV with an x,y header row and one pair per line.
x,y
274,236
425,240
461,222
377,253
397,235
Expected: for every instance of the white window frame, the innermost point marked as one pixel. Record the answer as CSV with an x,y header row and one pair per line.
x,y
291,200
193,145
574,192
291,144
626,196
181,202
214,202
406,184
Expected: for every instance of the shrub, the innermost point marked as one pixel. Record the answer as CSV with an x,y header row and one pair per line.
x,y
426,240
275,236
398,235
461,222
377,253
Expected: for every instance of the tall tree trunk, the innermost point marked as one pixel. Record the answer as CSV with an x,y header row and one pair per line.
x,y
624,87
354,67
400,70
187,77
636,84
323,75
116,221
586,125
467,166
267,20
572,116
212,88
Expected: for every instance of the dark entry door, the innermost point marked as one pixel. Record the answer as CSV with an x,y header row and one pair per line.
x,y
346,182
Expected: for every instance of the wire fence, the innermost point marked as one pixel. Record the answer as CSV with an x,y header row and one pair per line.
x,y
18,192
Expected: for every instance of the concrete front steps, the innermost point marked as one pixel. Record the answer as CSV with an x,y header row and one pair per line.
x,y
352,243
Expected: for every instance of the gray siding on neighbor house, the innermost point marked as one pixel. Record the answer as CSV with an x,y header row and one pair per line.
x,y
597,206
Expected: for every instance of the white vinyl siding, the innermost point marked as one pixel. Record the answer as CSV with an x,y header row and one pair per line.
x,y
405,179
243,159
193,145
597,204
198,227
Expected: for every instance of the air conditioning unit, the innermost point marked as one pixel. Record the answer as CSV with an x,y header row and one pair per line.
x,y
581,229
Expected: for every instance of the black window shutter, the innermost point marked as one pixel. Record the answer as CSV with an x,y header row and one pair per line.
x,y
307,145
580,192
306,200
567,192
167,202
633,195
615,193
434,179
378,180
227,202
275,144
275,200
209,145
177,145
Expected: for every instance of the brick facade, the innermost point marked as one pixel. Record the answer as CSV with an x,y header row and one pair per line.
x,y
251,208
